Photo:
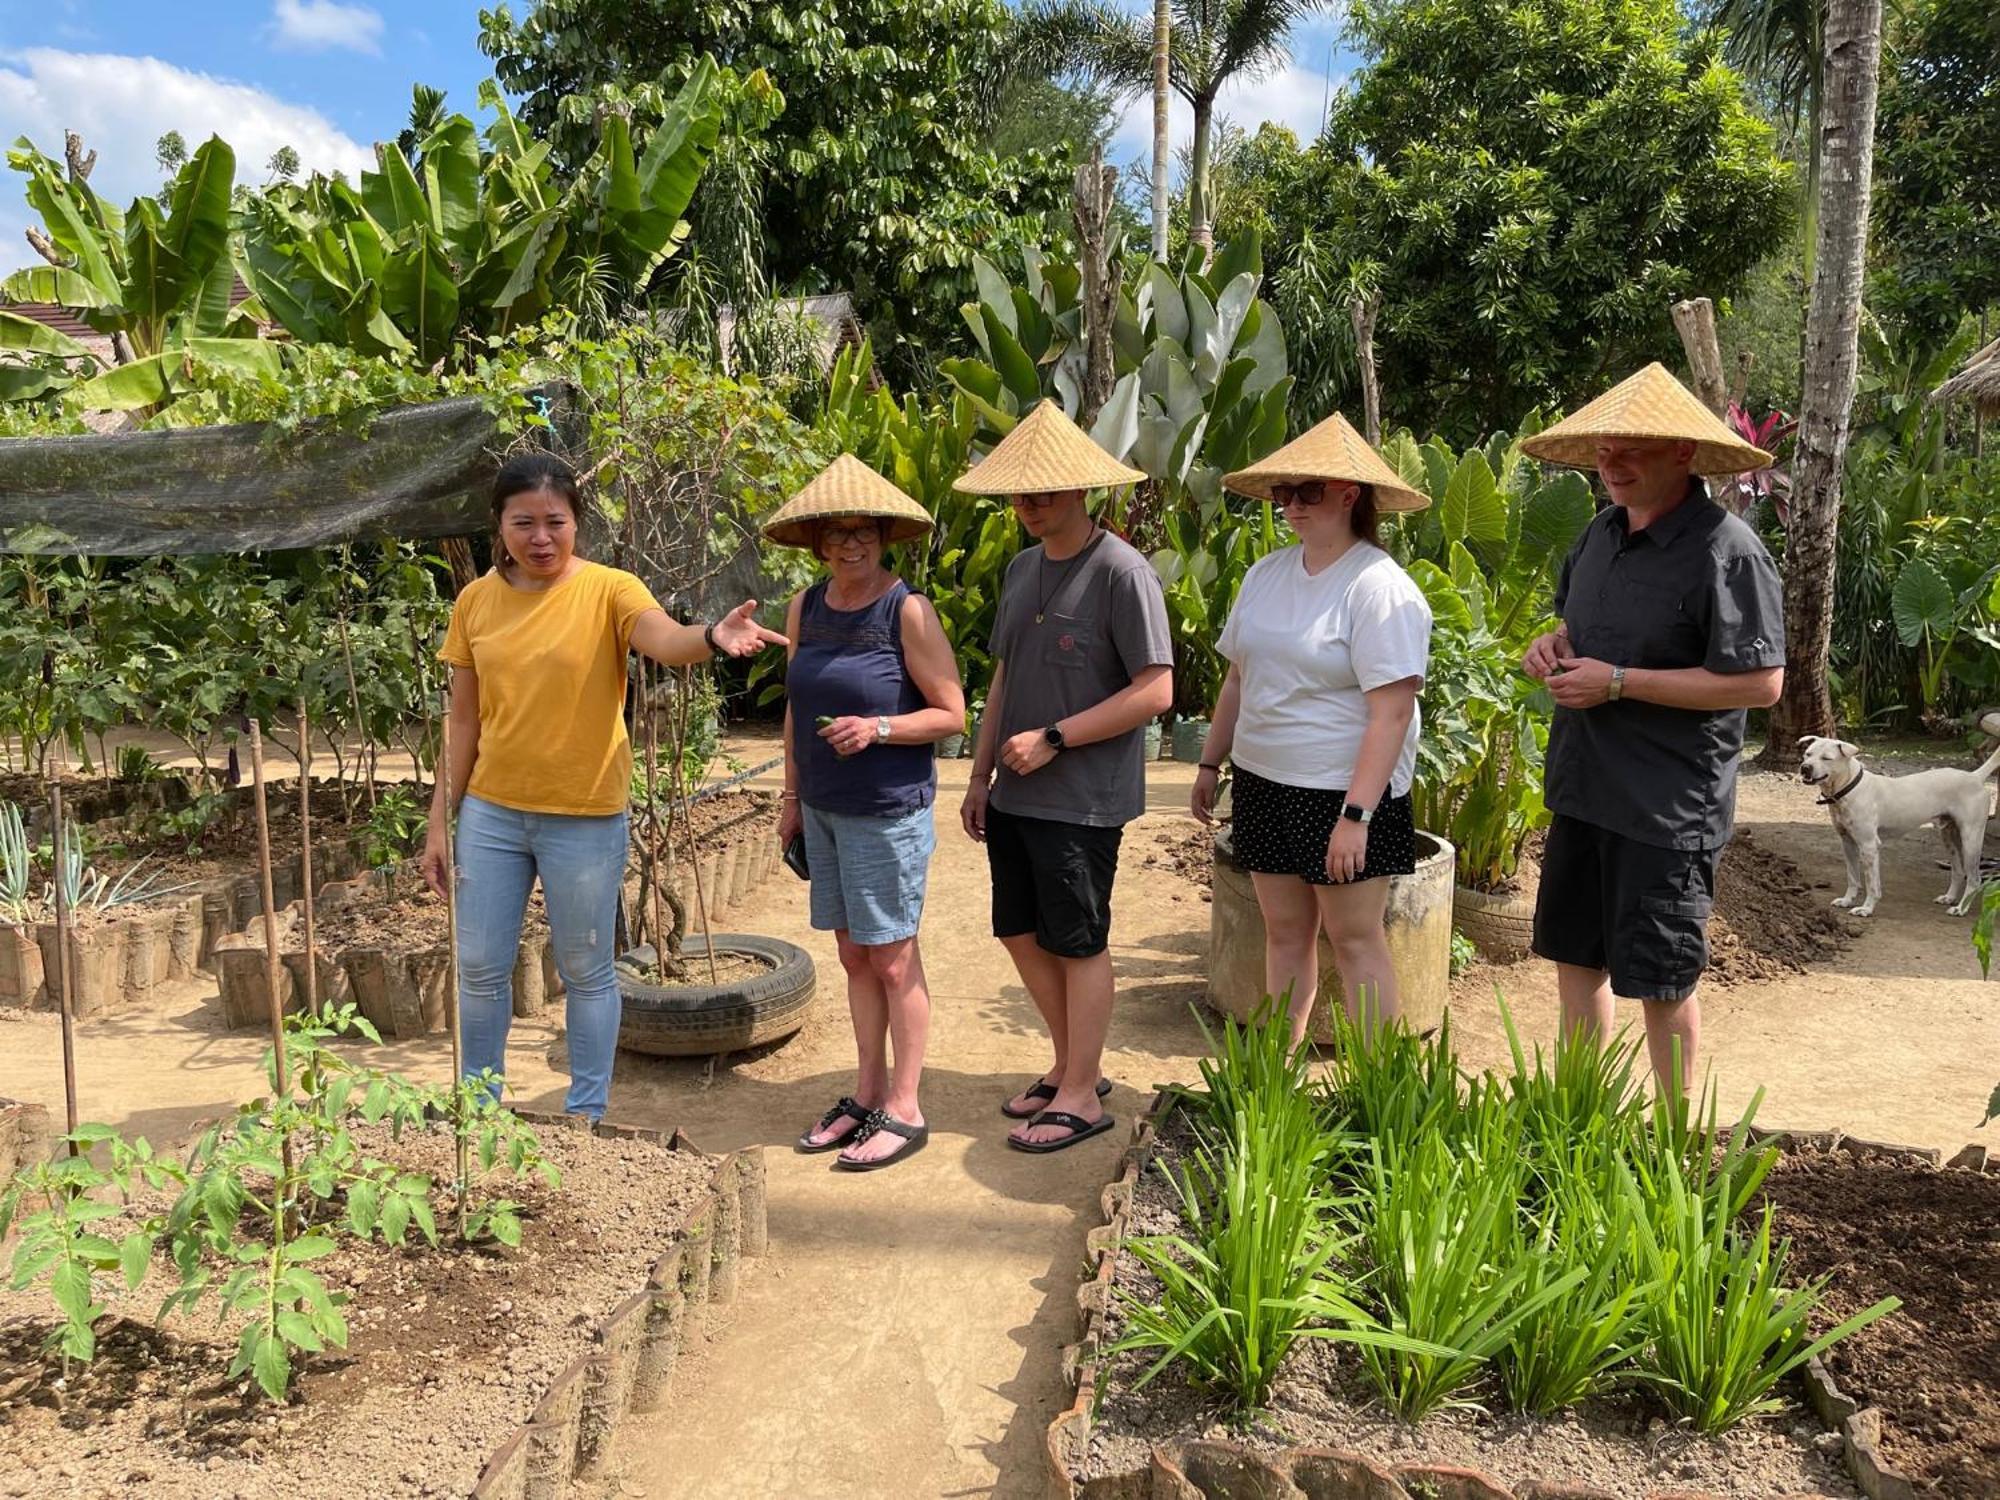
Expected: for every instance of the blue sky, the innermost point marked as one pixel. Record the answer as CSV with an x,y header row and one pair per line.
x,y
329,77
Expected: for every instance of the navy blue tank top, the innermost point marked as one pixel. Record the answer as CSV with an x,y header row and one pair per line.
x,y
850,661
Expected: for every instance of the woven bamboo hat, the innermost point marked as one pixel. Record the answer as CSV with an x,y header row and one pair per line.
x,y
1333,451
1044,453
1650,404
847,487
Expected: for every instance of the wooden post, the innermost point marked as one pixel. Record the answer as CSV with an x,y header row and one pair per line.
x,y
354,706
1096,191
59,976
280,1212
306,860
1363,310
1695,321
655,923
461,1156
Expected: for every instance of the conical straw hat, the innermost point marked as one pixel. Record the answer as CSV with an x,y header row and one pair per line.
x,y
847,487
1331,451
1045,452
1650,404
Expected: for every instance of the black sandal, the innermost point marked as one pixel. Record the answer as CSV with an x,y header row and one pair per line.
x,y
877,1122
1079,1129
846,1109
1046,1090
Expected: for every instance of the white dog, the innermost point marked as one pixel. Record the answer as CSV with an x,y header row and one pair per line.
x,y
1866,805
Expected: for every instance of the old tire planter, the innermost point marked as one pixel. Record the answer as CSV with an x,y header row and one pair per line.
x,y
701,1020
1500,927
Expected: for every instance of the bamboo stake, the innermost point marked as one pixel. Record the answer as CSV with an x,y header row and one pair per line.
x,y
655,878
280,1213
61,975
354,704
461,1154
306,860
687,819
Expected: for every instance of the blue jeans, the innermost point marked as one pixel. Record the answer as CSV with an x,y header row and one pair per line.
x,y
582,864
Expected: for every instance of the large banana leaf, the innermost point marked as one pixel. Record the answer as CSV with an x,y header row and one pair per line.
x,y
392,196
157,379
197,226
420,296
71,215
25,335
62,287
451,186
1473,510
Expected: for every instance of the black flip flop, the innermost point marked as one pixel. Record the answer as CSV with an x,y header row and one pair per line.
x,y
1047,1090
877,1122
846,1108
1080,1130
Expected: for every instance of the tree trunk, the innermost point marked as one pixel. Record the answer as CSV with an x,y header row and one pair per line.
x,y
1363,311
1096,192
1695,320
1162,24
1200,231
1847,158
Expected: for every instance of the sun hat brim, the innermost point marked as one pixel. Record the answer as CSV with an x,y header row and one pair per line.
x,y
847,489
1330,453
1650,404
1044,454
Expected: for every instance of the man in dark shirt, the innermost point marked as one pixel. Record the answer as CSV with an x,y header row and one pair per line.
x,y
1672,627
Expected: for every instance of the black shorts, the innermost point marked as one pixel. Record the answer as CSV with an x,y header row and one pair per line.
x,y
1054,880
1637,910
1275,829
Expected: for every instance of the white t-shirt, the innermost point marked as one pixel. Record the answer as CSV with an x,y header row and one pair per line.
x,y
1307,648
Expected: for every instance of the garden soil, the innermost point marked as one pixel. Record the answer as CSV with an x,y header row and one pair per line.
x,y
448,1351
1931,1238
903,1337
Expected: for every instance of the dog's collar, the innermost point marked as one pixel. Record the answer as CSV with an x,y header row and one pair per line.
x,y
1859,772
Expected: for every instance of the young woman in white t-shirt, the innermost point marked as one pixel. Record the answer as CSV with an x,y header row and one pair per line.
x,y
1327,643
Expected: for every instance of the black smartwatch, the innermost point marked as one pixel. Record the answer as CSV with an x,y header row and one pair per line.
x,y
1053,734
1361,815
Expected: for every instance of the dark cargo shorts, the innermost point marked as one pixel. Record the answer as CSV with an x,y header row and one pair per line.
x,y
1054,880
1636,910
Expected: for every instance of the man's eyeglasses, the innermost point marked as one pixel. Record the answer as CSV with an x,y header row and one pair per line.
x,y
1038,502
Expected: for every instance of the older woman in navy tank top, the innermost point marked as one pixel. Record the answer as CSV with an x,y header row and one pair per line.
x,y
872,686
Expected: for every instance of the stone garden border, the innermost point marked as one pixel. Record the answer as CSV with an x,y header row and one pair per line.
x,y
1227,1471
629,1364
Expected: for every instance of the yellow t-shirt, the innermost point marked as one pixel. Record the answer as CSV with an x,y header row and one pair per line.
x,y
551,669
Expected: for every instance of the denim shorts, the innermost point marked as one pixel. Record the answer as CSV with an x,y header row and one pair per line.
x,y
869,872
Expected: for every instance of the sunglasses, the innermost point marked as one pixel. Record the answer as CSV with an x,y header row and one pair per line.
x,y
1038,502
1284,496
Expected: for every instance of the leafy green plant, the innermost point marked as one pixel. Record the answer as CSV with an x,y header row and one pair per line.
x,y
136,766
394,822
1721,1329
54,1204
1390,1084
1931,615
16,864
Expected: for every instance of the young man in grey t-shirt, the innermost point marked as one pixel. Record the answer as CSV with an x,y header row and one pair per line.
x,y
1083,659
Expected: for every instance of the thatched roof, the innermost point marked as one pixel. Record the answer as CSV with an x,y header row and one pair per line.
x,y
1977,381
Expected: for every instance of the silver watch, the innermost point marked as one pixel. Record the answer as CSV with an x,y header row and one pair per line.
x,y
882,730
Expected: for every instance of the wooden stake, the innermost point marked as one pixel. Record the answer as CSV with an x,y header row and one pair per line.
x,y
306,860
1695,320
61,975
462,1156
655,879
354,705
273,965
687,817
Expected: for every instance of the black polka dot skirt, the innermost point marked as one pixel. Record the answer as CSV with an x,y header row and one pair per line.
x,y
1284,830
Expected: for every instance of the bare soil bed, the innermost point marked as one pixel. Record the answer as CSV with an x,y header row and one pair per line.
x,y
1627,1445
1932,1238
449,1350
731,968
228,846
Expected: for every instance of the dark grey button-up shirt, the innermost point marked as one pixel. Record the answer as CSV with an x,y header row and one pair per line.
x,y
1694,589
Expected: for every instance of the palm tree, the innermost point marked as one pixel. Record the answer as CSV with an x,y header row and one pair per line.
x,y
426,114
1779,45
1210,42
1853,36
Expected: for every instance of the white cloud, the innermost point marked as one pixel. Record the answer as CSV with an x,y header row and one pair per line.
x,y
316,25
121,105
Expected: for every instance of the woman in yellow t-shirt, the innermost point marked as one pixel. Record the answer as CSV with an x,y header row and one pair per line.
x,y
541,764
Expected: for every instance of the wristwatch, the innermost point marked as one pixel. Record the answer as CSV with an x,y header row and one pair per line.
x,y
1617,689
1053,734
1362,815
882,730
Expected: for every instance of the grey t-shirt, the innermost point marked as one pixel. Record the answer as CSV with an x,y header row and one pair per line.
x,y
1103,621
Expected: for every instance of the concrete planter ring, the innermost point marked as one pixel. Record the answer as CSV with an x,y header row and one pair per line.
x,y
1419,926
1501,927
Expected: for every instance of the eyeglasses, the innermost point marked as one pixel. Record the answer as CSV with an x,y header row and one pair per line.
x,y
1286,495
840,536
1042,502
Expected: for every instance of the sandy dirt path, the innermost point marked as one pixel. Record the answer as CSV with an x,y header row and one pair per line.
x,y
903,1336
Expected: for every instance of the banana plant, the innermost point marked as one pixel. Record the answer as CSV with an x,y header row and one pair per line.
x,y
156,277
476,238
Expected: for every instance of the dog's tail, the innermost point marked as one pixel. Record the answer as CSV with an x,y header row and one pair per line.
x,y
1989,724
